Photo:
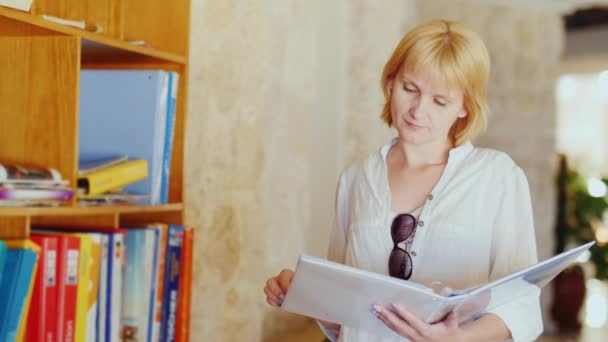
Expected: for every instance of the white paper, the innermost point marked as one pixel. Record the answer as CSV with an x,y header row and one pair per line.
x,y
23,5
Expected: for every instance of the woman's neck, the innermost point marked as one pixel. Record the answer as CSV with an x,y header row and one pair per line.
x,y
429,154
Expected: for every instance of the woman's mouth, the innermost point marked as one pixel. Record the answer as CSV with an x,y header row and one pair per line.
x,y
412,125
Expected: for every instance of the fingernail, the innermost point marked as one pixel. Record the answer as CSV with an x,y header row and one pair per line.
x,y
376,309
281,297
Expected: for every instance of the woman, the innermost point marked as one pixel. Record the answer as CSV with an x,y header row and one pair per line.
x,y
430,206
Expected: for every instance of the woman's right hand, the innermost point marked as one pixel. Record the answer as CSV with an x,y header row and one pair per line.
x,y
276,287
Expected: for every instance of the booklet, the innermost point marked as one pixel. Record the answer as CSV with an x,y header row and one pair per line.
x,y
341,294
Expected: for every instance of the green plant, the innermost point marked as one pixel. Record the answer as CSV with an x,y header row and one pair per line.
x,y
579,216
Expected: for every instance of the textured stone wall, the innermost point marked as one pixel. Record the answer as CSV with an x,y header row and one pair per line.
x,y
284,94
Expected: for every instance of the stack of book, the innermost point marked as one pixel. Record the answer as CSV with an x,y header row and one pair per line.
x,y
130,113
101,181
32,186
97,285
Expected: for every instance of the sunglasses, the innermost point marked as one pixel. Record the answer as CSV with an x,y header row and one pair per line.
x,y
400,262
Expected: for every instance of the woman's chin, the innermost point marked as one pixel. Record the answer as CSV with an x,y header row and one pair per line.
x,y
413,138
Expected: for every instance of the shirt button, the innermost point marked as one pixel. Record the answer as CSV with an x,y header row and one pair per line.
x,y
430,197
413,253
421,223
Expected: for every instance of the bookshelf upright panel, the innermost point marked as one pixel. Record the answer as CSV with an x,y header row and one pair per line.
x,y
38,102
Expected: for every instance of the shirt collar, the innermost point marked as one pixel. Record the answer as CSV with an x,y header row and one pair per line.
x,y
457,152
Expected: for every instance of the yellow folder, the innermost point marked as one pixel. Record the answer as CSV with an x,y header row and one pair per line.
x,y
113,177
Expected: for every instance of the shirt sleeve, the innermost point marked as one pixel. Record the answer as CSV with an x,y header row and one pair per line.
x,y
337,240
513,249
336,250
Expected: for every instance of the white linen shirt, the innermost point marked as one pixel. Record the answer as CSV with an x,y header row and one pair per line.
x,y
475,226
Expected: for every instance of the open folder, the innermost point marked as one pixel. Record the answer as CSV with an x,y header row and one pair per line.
x,y
341,294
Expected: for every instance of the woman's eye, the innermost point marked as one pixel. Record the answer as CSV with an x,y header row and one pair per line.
x,y
409,89
439,103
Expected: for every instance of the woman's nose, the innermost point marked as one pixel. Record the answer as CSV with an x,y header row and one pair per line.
x,y
418,108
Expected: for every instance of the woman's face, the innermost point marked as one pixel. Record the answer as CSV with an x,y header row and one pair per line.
x,y
423,107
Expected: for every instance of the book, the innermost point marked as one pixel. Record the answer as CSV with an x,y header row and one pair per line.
x,y
341,294
112,177
12,173
123,112
182,325
22,5
40,326
82,292
20,178
28,299
112,198
68,267
32,194
16,288
102,290
87,166
116,252
171,288
169,133
3,252
93,288
153,283
138,277
163,231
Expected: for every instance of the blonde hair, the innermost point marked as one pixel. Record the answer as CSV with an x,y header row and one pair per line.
x,y
459,55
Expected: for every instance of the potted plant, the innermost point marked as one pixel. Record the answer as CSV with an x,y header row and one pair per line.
x,y
579,217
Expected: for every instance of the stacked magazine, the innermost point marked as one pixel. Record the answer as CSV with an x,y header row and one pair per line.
x,y
32,186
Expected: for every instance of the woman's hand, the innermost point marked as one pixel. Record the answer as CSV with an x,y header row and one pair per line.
x,y
276,287
406,324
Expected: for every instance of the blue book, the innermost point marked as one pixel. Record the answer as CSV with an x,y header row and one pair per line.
x,y
132,289
116,249
170,299
169,133
124,112
15,286
3,253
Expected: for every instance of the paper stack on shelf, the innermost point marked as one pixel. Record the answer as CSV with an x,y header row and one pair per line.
x,y
100,181
32,186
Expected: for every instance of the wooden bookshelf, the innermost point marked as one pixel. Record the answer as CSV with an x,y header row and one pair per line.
x,y
103,45
40,63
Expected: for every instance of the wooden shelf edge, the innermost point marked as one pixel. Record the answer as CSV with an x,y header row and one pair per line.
x,y
29,18
92,210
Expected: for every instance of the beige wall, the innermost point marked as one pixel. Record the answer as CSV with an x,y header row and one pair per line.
x,y
285,93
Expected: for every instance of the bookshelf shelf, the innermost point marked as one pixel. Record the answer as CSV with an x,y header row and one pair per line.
x,y
41,115
96,46
89,210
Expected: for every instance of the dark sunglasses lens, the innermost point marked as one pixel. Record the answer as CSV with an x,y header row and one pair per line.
x,y
400,264
402,227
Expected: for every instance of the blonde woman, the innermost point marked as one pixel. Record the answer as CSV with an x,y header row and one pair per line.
x,y
429,205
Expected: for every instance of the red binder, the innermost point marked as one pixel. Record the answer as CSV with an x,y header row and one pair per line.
x,y
40,325
68,253
182,325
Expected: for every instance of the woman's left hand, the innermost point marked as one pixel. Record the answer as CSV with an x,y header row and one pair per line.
x,y
406,324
